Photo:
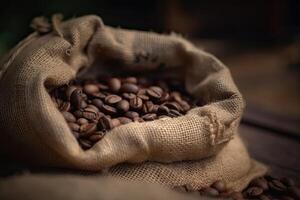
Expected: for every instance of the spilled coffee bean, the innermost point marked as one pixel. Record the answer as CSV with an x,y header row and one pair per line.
x,y
91,108
262,188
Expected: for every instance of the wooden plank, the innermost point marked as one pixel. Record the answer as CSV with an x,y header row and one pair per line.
x,y
281,154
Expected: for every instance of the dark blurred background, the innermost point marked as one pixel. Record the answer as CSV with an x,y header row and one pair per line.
x,y
259,39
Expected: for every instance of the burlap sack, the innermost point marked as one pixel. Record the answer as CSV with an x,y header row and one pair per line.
x,y
195,149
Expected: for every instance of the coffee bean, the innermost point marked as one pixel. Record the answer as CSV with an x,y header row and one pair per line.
x,y
260,182
109,110
136,103
123,105
129,88
128,95
143,97
114,84
184,105
90,89
89,114
210,192
84,143
173,105
69,117
112,99
78,113
132,80
148,107
105,123
154,92
64,106
219,185
276,185
76,98
100,95
132,114
97,136
102,86
69,91
163,110
87,129
164,97
254,191
82,121
149,117
124,120
83,104
174,113
97,102
74,126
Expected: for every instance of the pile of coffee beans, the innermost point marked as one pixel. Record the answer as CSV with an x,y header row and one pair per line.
x,y
93,107
263,188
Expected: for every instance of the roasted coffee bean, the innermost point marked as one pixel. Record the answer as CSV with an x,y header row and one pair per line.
x,y
105,123
84,143
260,182
174,113
132,80
149,117
136,103
87,129
82,121
124,120
254,191
69,91
210,192
219,185
185,106
78,113
164,97
143,97
74,126
69,117
83,104
109,110
173,105
112,99
102,86
100,95
163,110
97,102
154,92
129,88
132,114
128,95
114,84
76,98
276,185
148,107
90,89
90,115
97,136
123,105
64,106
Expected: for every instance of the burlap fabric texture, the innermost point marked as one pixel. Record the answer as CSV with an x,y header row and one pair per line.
x,y
195,149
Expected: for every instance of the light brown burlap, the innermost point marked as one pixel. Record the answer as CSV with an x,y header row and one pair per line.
x,y
195,149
